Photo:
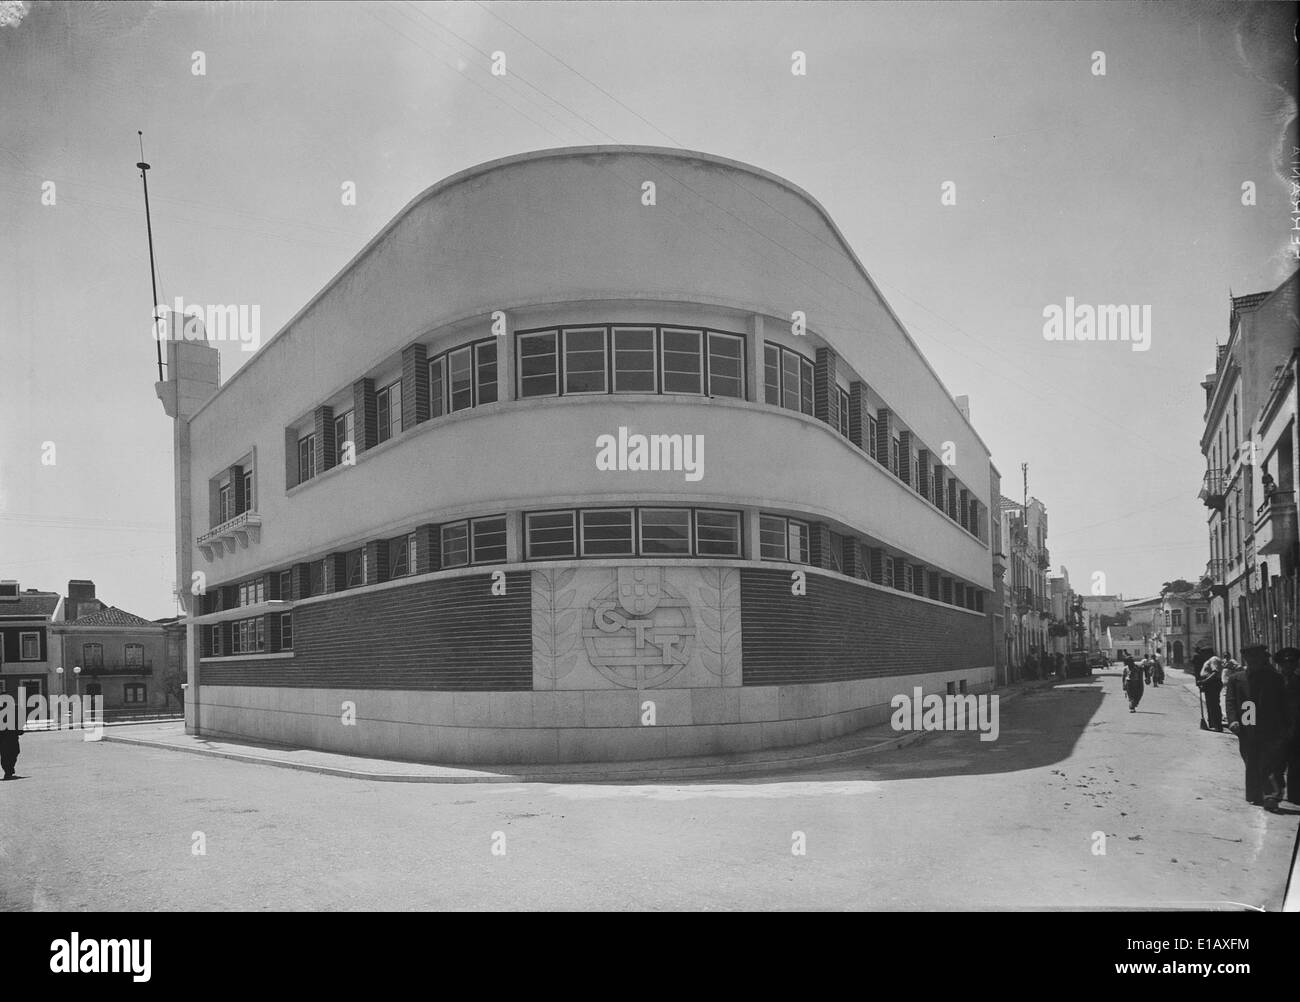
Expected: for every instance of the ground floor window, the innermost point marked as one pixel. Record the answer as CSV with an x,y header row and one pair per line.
x,y
133,692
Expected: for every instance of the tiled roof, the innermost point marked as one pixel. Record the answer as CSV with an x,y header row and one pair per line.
x,y
1006,504
112,616
40,603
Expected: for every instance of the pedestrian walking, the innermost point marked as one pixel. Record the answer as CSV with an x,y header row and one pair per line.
x,y
1146,668
9,749
1157,671
1288,663
1132,683
1257,714
1210,682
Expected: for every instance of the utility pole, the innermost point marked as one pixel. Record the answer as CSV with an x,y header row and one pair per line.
x,y
153,271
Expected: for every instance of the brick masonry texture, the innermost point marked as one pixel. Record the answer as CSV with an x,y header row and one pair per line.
x,y
841,631
450,635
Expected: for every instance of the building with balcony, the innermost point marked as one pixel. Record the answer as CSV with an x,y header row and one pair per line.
x,y
553,472
1275,517
1183,627
1246,438
1027,609
101,650
26,660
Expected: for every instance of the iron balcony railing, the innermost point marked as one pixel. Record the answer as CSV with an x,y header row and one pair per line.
x,y
98,668
1213,489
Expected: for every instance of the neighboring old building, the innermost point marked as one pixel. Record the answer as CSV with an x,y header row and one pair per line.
x,y
1097,609
122,657
1144,617
1126,642
1184,627
26,660
1028,598
1277,476
430,492
1262,336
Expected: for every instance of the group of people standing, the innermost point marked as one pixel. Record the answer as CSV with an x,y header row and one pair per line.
x,y
1261,706
1138,675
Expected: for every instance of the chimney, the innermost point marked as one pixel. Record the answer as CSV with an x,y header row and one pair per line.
x,y
963,405
80,594
9,590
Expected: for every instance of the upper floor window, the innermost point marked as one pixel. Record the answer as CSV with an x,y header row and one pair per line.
x,y
726,363
607,532
1202,617
782,538
872,430
787,379
843,412
487,539
634,360
462,378
388,401
585,368
631,359
225,503
29,646
550,535
286,586
316,577
539,365
286,631
344,436
248,491
717,533
619,532
252,592
682,361
893,455
401,556
474,541
134,655
665,531
92,655
306,457
1178,617
354,566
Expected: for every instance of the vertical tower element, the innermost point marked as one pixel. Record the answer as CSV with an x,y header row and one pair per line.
x,y
193,374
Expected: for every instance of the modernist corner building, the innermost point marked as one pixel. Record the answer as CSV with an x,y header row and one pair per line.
x,y
550,449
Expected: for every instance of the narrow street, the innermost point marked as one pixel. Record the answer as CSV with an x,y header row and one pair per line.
x,y
947,823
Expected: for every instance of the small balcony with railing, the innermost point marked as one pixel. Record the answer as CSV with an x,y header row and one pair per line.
x,y
234,533
103,669
1275,522
1214,490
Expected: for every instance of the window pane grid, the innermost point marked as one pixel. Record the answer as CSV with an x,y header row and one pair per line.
x,y
489,540
607,533
726,366
551,535
682,363
665,531
634,360
455,544
538,371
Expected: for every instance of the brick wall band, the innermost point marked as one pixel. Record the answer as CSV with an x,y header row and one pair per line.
x,y
432,635
841,631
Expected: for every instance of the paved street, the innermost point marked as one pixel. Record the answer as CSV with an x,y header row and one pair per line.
x,y
950,822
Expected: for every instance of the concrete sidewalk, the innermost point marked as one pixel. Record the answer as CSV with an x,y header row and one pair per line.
x,y
171,736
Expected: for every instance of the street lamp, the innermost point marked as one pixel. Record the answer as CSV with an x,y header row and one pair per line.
x,y
76,680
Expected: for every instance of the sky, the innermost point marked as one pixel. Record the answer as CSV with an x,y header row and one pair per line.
x,y
1117,188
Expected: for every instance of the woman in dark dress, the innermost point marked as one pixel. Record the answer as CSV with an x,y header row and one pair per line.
x,y
1133,684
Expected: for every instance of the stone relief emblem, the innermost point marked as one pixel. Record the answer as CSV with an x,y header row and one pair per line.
x,y
638,630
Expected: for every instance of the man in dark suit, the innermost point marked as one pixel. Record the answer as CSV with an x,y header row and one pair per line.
x,y
1257,714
